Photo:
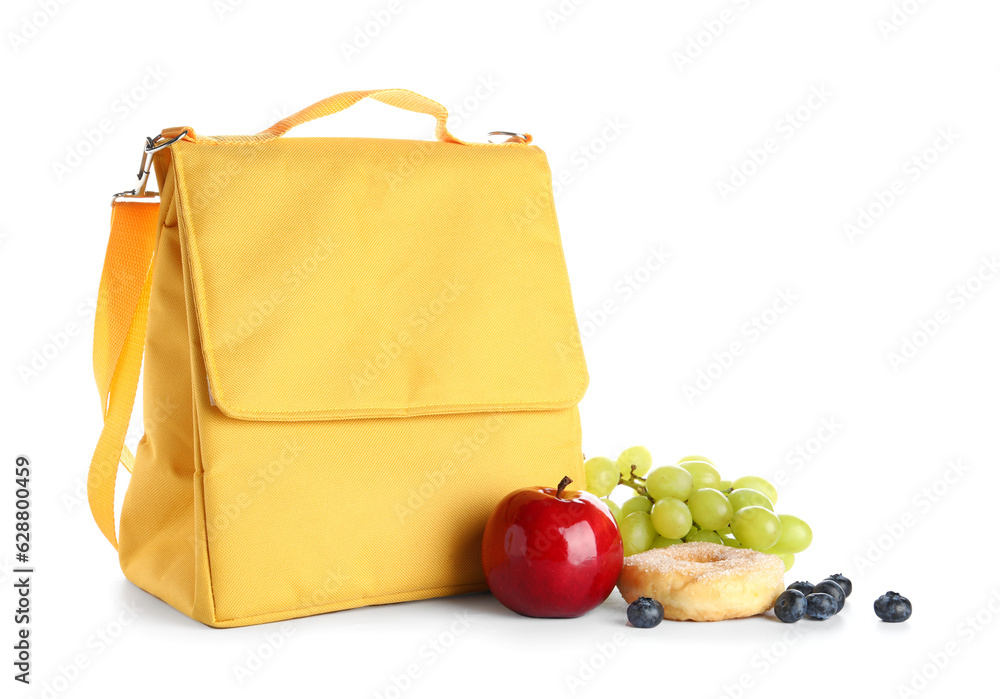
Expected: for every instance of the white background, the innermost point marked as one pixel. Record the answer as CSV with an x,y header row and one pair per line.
x,y
650,182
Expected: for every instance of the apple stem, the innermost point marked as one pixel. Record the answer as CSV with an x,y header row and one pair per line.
x,y
562,485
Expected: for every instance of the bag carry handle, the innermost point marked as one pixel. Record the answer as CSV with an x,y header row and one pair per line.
x,y
395,97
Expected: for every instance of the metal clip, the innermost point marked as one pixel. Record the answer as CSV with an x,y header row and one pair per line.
x,y
510,137
153,144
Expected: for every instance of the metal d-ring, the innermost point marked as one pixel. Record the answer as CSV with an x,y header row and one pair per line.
x,y
521,138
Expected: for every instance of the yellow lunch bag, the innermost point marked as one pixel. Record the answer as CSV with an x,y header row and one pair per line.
x,y
353,349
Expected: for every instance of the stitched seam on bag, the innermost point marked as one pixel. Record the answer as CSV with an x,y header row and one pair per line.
x,y
335,606
253,140
412,411
393,411
204,517
186,243
196,276
208,549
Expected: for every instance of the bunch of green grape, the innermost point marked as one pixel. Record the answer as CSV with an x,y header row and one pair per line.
x,y
689,501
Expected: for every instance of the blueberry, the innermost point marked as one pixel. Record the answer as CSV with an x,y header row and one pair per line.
x,y
790,606
843,582
805,588
831,588
893,607
645,613
820,606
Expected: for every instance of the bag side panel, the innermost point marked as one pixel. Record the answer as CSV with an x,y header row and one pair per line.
x,y
156,548
312,517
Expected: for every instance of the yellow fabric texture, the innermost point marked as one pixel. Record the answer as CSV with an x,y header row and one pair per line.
x,y
119,331
355,348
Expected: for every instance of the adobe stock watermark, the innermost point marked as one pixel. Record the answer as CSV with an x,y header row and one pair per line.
x,y
368,30
259,480
898,16
224,8
560,12
581,159
623,289
800,455
751,332
590,666
257,658
435,480
158,413
921,504
294,277
103,639
56,342
372,369
221,178
461,110
711,31
956,299
764,661
585,155
74,498
331,589
120,109
935,662
431,652
554,534
32,24
458,112
912,170
785,128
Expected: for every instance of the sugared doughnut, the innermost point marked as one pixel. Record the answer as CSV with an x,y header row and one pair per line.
x,y
700,581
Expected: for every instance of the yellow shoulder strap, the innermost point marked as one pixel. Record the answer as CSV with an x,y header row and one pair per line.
x,y
119,335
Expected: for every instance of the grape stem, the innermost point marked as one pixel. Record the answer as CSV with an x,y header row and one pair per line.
x,y
636,483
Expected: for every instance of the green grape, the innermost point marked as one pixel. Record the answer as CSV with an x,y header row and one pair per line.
x,y
726,530
671,518
787,558
662,542
640,503
703,473
637,533
731,542
756,527
695,457
602,476
760,484
615,510
745,497
639,457
795,535
669,482
725,486
705,535
710,509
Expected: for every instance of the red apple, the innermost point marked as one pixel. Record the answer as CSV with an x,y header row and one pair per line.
x,y
551,552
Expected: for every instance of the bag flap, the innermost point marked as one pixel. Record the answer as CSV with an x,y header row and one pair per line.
x,y
349,277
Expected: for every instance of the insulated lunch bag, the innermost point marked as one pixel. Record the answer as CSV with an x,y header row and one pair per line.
x,y
353,348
